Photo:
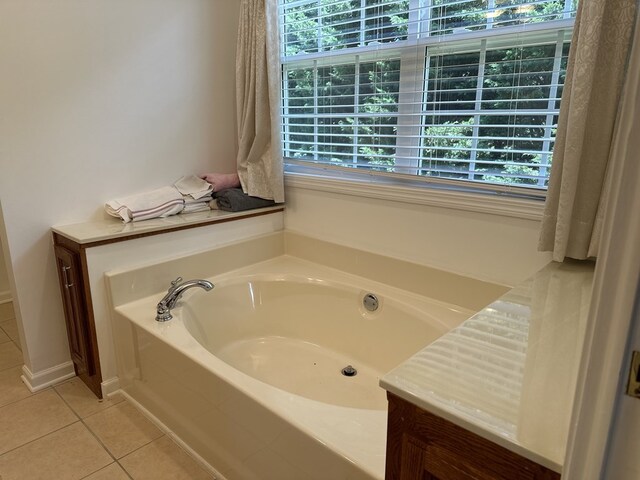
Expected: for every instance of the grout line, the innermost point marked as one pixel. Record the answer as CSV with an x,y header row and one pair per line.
x,y
82,420
41,436
53,387
9,368
138,448
12,366
15,321
36,439
91,473
7,335
31,395
123,469
175,439
102,468
100,442
17,345
78,420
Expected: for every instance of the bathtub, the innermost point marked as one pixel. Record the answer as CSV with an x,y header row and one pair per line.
x,y
250,375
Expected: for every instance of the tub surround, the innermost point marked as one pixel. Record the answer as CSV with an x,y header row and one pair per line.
x,y
452,288
243,426
86,250
508,373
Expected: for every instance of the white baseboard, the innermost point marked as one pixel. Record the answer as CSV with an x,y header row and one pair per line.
x,y
51,376
5,297
110,386
203,463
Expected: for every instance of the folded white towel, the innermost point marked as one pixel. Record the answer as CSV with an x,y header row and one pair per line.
x,y
190,201
194,187
196,207
160,202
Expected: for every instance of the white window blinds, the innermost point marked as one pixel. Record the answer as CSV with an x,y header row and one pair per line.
x,y
466,90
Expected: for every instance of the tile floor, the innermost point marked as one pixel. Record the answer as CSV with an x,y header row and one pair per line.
x,y
65,432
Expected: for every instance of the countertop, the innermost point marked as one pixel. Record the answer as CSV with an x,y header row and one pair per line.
x,y
111,229
509,372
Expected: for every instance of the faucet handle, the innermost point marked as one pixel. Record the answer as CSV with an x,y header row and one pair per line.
x,y
163,312
174,284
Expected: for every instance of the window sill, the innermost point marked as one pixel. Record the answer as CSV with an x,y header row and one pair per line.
x,y
406,192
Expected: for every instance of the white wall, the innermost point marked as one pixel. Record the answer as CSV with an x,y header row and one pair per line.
x,y
488,247
5,294
102,98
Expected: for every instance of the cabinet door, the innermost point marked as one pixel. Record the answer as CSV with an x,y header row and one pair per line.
x,y
423,446
71,287
424,461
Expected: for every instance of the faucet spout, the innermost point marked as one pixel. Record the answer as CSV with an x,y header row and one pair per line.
x,y
163,310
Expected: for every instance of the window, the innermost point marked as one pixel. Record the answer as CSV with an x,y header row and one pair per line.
x,y
449,89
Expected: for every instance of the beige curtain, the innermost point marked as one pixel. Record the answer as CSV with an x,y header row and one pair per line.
x,y
259,160
595,72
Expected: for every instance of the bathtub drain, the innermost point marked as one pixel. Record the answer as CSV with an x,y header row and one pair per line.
x,y
349,371
370,302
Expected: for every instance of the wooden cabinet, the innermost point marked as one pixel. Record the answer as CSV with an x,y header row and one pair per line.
x,y
76,299
423,446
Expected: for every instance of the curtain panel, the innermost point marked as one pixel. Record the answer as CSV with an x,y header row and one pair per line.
x,y
577,187
259,161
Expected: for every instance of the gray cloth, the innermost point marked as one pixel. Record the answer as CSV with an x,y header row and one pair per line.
x,y
235,200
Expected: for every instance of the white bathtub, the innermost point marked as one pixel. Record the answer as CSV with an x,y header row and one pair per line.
x,y
249,374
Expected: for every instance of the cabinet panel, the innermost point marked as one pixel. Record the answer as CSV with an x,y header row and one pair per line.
x,y
80,330
70,288
423,446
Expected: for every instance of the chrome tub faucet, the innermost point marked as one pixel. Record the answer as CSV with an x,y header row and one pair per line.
x,y
163,310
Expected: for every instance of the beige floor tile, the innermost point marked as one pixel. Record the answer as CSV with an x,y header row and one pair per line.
x,y
4,338
12,388
163,459
111,472
32,418
67,454
6,311
10,327
82,400
10,356
122,429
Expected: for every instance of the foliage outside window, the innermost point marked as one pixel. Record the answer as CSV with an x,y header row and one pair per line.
x,y
456,89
